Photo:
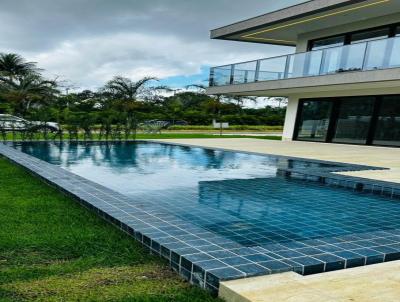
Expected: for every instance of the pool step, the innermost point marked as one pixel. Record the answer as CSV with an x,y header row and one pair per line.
x,y
374,283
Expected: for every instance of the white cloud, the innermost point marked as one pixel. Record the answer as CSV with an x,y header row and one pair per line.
x,y
88,42
92,61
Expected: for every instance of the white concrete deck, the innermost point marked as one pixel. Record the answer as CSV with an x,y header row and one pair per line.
x,y
375,283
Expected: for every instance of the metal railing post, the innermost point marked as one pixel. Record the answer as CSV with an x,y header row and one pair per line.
x,y
211,81
366,54
232,74
322,64
257,74
287,66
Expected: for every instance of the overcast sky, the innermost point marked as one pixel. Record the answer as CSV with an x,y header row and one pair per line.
x,y
89,41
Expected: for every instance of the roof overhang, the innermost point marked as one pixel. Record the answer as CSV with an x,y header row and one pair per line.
x,y
282,27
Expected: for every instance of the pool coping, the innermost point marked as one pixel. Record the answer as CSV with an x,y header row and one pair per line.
x,y
194,267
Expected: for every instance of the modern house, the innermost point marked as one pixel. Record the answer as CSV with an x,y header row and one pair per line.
x,y
343,81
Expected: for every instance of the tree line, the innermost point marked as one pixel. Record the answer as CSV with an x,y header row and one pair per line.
x,y
119,106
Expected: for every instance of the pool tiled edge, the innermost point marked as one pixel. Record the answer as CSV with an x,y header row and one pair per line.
x,y
204,258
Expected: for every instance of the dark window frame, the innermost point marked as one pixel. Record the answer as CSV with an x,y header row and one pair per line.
x,y
311,42
381,102
299,119
339,106
347,36
333,119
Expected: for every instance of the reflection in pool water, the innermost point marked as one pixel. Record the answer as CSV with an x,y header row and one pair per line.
x,y
139,167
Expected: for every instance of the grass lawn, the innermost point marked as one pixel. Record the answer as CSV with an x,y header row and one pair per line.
x,y
200,135
52,249
230,129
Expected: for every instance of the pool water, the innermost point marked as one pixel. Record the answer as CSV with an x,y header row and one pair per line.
x,y
135,169
245,215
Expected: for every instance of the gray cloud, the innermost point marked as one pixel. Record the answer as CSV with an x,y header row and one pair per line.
x,y
89,41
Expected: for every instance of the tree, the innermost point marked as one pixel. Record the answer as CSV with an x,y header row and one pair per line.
x,y
280,100
13,66
21,84
215,103
174,108
126,89
24,91
122,95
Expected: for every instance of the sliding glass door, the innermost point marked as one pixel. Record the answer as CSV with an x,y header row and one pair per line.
x,y
314,120
387,131
350,120
354,120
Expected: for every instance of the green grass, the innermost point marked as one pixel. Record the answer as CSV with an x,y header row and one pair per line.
x,y
170,136
254,128
200,135
52,249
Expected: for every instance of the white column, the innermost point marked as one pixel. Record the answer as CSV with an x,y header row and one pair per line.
x,y
290,118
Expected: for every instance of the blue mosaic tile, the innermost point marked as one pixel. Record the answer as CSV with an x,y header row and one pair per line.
x,y
222,254
372,256
332,262
214,276
309,251
259,257
287,254
253,269
234,261
310,265
210,264
276,266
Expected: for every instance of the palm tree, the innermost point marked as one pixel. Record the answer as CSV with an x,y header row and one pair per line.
x,y
25,91
13,66
123,94
126,89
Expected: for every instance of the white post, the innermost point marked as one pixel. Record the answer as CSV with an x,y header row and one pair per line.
x,y
290,119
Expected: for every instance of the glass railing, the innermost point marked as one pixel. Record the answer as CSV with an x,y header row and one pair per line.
x,y
372,55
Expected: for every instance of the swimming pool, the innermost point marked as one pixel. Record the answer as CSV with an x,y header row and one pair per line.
x,y
220,215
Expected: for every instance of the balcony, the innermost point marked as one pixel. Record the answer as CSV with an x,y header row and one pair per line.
x,y
367,56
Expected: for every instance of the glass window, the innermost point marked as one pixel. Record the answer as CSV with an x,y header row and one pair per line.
x,y
244,72
332,60
354,120
398,31
388,125
351,58
378,52
341,59
328,42
304,64
393,55
370,35
221,75
272,69
314,120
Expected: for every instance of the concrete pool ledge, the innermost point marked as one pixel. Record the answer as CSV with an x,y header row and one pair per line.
x,y
374,283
